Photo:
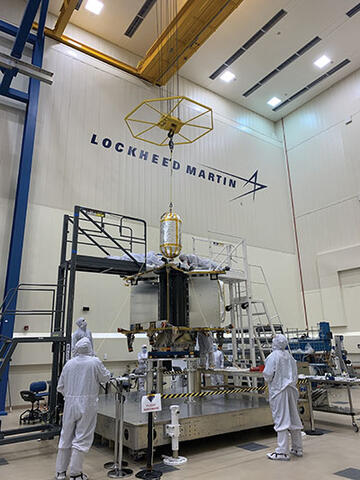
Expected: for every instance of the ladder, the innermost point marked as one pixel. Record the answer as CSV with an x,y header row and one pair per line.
x,y
264,328
252,324
253,329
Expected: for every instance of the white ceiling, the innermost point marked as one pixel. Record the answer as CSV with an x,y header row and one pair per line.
x,y
117,15
305,19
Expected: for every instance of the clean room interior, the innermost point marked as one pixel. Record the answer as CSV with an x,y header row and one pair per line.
x,y
184,176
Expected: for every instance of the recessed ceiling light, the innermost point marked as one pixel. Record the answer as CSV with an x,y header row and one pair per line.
x,y
227,76
274,101
322,61
94,6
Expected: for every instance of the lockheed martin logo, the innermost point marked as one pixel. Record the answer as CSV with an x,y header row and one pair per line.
x,y
252,182
248,186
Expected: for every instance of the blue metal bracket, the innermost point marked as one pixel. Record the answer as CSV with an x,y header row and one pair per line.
x,y
31,98
31,10
7,79
12,30
15,94
20,40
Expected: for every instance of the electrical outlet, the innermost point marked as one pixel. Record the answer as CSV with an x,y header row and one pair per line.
x,y
105,356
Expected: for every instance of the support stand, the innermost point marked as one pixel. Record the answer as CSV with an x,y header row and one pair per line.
x,y
193,378
313,431
116,467
173,430
149,473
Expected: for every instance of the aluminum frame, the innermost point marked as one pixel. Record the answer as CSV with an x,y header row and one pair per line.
x,y
96,234
71,262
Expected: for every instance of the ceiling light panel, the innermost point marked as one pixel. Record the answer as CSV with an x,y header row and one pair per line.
x,y
227,76
252,40
283,65
274,101
94,6
322,61
309,86
139,18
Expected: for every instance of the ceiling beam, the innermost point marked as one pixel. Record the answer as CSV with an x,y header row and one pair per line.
x,y
67,9
190,28
81,47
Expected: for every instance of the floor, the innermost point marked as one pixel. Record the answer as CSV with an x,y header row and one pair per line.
x,y
211,458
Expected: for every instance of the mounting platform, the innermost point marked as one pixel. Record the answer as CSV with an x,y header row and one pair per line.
x,y
199,418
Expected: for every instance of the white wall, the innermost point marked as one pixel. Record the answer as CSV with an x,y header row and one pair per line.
x,y
324,142
88,97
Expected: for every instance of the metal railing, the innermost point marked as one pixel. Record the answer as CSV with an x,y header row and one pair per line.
x,y
30,287
109,233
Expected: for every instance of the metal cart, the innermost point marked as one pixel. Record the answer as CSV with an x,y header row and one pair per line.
x,y
325,406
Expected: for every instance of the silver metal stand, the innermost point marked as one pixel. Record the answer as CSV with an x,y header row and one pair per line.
x,y
160,377
193,377
149,378
148,473
313,431
116,467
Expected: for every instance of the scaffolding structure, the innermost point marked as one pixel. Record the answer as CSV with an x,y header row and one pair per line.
x,y
95,242
10,66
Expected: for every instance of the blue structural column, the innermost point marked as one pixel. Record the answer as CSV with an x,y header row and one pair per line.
x,y
20,40
24,175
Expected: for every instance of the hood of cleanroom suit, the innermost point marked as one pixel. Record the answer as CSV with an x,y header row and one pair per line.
x,y
280,368
219,359
81,332
279,342
143,355
81,322
83,347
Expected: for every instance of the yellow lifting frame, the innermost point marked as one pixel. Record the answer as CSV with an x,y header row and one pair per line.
x,y
178,100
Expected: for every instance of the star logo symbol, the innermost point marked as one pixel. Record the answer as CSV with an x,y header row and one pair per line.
x,y
251,181
255,186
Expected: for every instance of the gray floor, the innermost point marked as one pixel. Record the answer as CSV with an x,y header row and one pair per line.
x,y
336,452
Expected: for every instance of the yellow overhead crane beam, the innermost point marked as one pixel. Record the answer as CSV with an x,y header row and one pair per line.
x,y
190,28
70,42
66,11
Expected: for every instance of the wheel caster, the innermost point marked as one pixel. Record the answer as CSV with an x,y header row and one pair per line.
x,y
355,427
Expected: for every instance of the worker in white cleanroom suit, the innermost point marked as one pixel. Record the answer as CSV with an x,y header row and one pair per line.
x,y
205,343
81,332
142,364
280,374
79,383
218,364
